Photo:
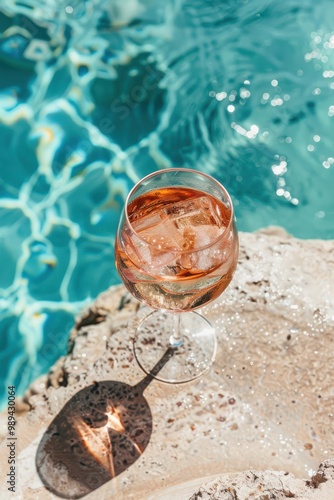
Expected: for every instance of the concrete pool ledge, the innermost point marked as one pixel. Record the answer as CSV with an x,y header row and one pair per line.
x,y
266,405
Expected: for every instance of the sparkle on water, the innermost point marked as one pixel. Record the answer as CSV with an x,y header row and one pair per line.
x,y
94,95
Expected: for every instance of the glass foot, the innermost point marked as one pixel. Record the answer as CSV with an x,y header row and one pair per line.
x,y
188,359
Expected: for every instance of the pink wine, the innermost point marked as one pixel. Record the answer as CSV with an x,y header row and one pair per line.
x,y
179,249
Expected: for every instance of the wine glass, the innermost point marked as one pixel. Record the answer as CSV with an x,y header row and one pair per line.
x,y
176,250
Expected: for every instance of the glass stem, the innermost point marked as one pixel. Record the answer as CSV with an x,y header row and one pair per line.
x,y
176,339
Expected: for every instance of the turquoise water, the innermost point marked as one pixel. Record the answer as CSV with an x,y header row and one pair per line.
x,y
96,94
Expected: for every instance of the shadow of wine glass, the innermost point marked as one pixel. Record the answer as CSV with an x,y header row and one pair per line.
x,y
101,431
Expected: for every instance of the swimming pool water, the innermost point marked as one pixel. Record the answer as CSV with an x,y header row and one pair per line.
x,y
96,94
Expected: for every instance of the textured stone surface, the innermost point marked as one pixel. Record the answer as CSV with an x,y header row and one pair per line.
x,y
267,404
269,484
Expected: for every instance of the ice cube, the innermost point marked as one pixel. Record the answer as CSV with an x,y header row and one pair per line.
x,y
220,253
207,234
157,242
147,221
194,212
149,258
208,257
138,251
160,232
